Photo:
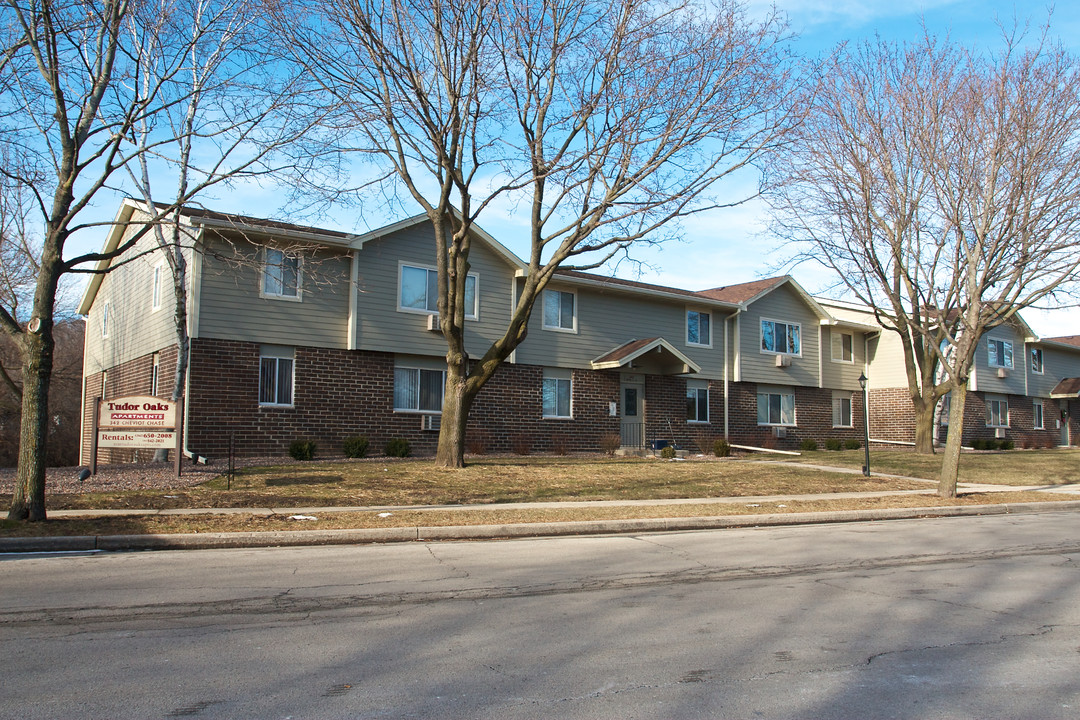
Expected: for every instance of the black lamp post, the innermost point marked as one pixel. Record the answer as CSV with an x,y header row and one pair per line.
x,y
866,423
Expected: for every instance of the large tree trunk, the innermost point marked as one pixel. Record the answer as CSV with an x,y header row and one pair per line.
x,y
924,426
28,501
457,402
950,465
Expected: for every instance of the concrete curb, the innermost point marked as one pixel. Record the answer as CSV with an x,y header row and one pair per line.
x,y
204,541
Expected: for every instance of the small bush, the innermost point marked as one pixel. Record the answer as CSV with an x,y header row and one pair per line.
x,y
1007,445
521,444
721,448
476,442
1048,442
397,447
667,452
610,443
978,444
302,449
560,444
808,445
852,444
355,447
1027,443
833,444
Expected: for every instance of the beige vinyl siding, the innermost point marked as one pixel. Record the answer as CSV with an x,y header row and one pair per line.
x,y
986,376
608,319
1058,364
786,306
134,328
840,375
887,368
381,326
230,305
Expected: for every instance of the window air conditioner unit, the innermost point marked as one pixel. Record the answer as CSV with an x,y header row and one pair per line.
x,y
433,323
999,433
1002,373
783,361
430,422
780,432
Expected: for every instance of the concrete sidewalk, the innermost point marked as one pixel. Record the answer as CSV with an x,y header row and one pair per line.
x,y
90,543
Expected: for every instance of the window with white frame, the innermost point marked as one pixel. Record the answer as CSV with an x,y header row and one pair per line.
x,y
281,274
418,291
781,338
105,319
999,353
997,412
1037,411
155,290
276,375
557,392
843,347
1037,361
775,406
155,365
560,310
946,408
697,401
418,389
841,409
698,330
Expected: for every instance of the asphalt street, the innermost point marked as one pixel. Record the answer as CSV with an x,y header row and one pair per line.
x,y
934,618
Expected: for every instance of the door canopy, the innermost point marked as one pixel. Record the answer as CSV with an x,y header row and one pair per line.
x,y
654,356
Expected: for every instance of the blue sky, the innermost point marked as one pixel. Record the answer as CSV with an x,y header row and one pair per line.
x,y
734,245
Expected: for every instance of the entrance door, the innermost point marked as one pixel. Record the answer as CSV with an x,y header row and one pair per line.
x,y
1065,423
633,415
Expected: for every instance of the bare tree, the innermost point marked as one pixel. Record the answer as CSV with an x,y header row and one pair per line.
x,y
943,187
606,121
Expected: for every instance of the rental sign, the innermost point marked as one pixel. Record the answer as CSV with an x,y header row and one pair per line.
x,y
137,421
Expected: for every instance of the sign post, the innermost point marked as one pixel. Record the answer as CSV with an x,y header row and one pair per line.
x,y
137,421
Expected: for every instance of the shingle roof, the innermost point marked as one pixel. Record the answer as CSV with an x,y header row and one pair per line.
x,y
244,220
1069,387
1066,339
606,280
743,291
624,351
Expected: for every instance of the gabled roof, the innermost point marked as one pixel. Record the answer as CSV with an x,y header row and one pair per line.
x,y
745,294
606,282
511,259
1073,340
1067,388
626,353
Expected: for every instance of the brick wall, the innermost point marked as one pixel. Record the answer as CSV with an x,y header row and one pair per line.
x,y
1021,421
892,416
813,418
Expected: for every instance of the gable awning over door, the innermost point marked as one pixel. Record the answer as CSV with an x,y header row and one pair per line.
x,y
1067,388
652,355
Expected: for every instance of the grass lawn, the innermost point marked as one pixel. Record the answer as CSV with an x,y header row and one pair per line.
x,y
1012,467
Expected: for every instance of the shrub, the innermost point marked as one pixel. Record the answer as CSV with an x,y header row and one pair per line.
x,y
521,444
808,445
610,443
852,444
302,449
833,444
721,448
476,442
560,444
397,447
1027,443
355,447
667,452
1048,442
1007,445
978,444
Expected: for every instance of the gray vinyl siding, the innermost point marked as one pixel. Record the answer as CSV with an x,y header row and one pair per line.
x,y
839,375
135,329
986,377
1058,364
781,305
381,326
230,306
607,320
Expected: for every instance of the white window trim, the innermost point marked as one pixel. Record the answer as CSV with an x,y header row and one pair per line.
x,y
555,375
1000,400
1012,351
418,369
556,328
1042,361
155,372
1042,415
850,397
794,410
700,385
687,327
292,358
832,334
763,351
474,315
157,276
299,297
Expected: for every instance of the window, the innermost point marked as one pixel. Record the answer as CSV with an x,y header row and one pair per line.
x,y
946,408
841,410
419,291
997,412
560,310
697,328
842,345
1000,353
276,375
775,406
1037,410
419,390
155,290
781,338
1037,361
697,401
557,391
105,319
155,363
281,274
